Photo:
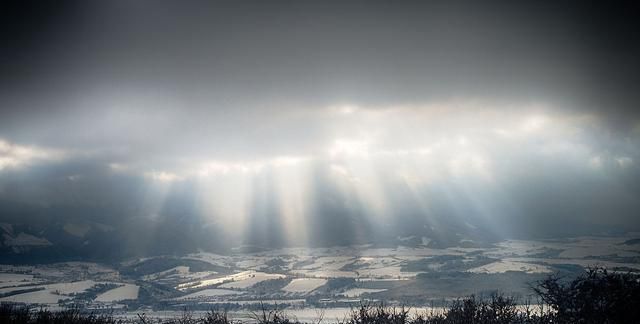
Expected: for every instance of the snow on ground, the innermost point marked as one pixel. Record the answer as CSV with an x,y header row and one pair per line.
x,y
280,302
180,270
367,262
210,293
590,247
329,262
52,293
7,277
251,279
5,290
180,273
261,261
383,267
327,267
49,273
515,248
241,280
504,266
88,267
316,265
67,288
326,273
35,297
386,272
304,285
249,264
11,268
356,292
126,292
403,251
16,279
583,251
582,262
574,248
196,275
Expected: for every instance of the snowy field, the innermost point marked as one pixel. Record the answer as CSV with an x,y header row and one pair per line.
x,y
356,292
308,272
505,265
250,279
240,280
17,279
53,293
304,285
126,292
209,293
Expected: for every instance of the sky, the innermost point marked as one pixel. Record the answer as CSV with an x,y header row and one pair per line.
x,y
296,122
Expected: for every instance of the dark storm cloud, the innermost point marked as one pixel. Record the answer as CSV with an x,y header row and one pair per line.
x,y
104,74
244,54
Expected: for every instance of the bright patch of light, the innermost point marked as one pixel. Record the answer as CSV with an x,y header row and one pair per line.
x,y
470,165
292,184
216,168
13,155
349,148
163,176
534,123
624,161
595,162
344,109
118,167
226,199
213,168
283,161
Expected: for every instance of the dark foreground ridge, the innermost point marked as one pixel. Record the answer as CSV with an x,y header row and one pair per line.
x,y
598,296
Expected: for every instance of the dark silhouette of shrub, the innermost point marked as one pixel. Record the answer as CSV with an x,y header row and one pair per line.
x,y
597,296
368,314
271,316
12,314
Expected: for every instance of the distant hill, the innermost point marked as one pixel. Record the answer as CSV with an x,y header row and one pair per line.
x,y
632,241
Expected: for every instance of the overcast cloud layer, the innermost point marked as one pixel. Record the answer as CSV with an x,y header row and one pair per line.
x,y
304,120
